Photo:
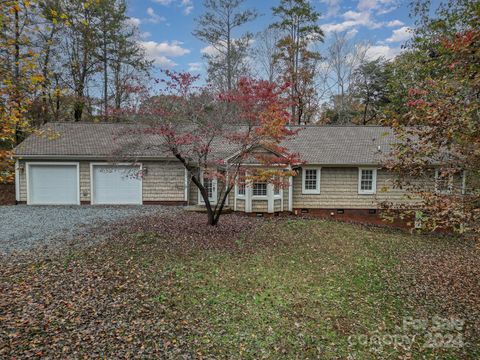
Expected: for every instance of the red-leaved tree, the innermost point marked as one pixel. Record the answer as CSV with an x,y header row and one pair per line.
x,y
440,129
215,135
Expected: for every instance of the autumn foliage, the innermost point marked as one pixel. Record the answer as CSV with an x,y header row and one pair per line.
x,y
202,128
440,129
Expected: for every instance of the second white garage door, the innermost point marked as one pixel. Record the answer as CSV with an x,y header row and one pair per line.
x,y
116,185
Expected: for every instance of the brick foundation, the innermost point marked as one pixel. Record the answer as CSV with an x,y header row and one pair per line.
x,y
168,203
362,216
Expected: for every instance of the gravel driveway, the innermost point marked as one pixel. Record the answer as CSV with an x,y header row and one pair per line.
x,y
26,227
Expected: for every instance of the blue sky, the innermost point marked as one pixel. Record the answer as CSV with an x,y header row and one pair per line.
x,y
166,26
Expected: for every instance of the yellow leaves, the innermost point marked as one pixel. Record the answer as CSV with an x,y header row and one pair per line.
x,y
15,8
37,78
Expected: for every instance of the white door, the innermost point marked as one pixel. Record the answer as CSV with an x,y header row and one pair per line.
x,y
53,184
211,187
116,185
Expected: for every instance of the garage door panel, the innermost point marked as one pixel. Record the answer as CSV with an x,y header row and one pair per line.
x,y
53,184
117,185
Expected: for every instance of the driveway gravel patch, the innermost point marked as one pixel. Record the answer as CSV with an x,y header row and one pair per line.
x,y
24,228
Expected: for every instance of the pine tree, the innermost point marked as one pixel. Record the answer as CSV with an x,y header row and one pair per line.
x,y
216,27
299,24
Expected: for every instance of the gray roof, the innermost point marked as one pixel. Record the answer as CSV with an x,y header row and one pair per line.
x,y
325,145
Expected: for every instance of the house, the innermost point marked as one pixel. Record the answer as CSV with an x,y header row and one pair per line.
x,y
72,163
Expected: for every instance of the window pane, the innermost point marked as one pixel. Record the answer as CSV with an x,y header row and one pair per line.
x,y
366,181
310,179
241,184
208,183
276,186
241,189
276,190
260,189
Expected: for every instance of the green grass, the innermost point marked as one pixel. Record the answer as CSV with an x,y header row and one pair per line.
x,y
291,289
305,298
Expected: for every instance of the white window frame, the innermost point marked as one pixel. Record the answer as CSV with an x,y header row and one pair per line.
x,y
93,164
259,197
27,174
237,194
319,174
373,190
199,194
450,183
280,190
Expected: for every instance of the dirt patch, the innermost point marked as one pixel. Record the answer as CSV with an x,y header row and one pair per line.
x,y
7,194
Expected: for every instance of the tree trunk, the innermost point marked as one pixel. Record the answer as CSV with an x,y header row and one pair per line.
x,y
105,72
16,74
229,55
46,80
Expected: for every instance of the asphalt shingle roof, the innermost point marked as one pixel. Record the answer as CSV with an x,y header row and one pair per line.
x,y
326,145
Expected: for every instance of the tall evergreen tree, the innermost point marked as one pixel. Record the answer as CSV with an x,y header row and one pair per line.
x,y
299,23
216,27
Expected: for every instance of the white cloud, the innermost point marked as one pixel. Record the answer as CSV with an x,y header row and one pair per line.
x,y
333,7
385,51
366,4
394,23
399,35
133,21
353,19
160,53
209,50
351,33
194,67
153,17
364,17
187,5
378,6
145,35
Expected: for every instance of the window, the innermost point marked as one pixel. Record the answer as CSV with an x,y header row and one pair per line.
x,y
443,182
208,184
241,188
311,181
259,189
367,181
276,186
276,189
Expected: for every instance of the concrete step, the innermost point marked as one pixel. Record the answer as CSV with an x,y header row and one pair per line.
x,y
203,209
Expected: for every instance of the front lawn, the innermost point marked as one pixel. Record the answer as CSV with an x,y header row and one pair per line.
x,y
168,286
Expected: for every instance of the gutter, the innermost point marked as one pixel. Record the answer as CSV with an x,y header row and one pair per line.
x,y
89,157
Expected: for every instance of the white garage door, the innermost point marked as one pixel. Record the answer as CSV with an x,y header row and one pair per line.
x,y
116,185
50,184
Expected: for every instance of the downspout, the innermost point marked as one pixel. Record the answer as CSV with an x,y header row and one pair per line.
x,y
187,197
17,181
290,191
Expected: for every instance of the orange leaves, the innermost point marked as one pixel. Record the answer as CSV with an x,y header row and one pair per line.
x,y
18,83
